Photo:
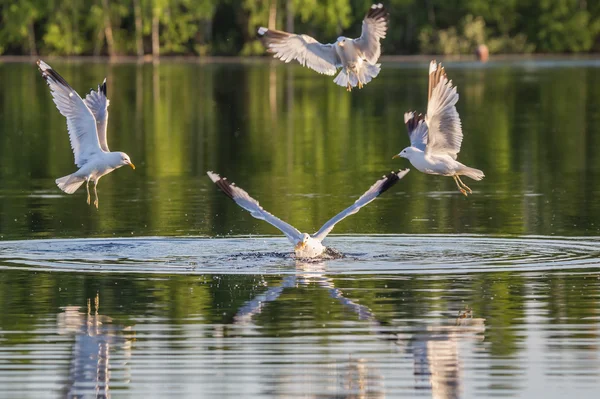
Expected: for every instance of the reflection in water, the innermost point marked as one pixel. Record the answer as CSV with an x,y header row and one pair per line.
x,y
94,337
437,356
307,334
301,140
306,273
435,349
357,378
374,326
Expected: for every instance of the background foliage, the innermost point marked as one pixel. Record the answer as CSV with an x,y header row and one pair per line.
x,y
227,27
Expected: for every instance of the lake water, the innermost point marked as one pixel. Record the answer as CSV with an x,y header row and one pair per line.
x,y
170,289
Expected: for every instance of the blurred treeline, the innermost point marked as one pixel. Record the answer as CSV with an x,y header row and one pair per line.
x,y
228,27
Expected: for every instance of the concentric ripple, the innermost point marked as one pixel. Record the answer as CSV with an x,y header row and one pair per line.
x,y
374,254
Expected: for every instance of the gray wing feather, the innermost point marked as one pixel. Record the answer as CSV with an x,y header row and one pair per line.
x,y
376,189
80,120
417,129
243,199
303,48
445,130
98,103
374,28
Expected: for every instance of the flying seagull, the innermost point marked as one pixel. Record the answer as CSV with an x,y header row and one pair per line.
x,y
357,57
435,138
305,245
86,123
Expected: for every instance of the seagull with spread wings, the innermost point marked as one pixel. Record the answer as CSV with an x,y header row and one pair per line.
x,y
305,245
357,57
86,122
435,138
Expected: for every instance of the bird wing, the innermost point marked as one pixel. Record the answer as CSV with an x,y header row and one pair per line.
x,y
98,103
376,189
303,48
374,28
251,205
445,130
80,120
417,129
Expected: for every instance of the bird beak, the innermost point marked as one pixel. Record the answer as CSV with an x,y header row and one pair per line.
x,y
300,246
132,165
341,44
396,156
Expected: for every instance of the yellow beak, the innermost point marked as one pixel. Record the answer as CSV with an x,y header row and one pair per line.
x,y
300,246
132,165
396,156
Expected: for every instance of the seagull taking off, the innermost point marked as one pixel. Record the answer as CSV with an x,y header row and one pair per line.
x,y
435,138
305,245
86,123
357,57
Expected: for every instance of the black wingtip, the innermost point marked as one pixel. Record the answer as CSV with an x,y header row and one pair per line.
x,y
377,11
222,183
391,179
412,120
272,36
51,73
103,88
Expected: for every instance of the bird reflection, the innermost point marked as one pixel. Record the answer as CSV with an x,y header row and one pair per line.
x,y
359,378
306,273
435,348
94,334
436,353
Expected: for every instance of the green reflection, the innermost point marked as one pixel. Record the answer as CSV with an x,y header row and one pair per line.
x,y
304,148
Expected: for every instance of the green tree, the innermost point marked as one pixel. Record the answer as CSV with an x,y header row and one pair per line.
x,y
565,26
18,24
64,30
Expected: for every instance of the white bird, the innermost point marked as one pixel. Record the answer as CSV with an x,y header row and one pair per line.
x,y
86,123
357,57
305,245
436,137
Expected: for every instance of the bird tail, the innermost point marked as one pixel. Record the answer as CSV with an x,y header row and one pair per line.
x,y
363,74
341,79
368,71
69,184
472,173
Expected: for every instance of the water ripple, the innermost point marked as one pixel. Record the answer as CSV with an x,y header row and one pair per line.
x,y
373,254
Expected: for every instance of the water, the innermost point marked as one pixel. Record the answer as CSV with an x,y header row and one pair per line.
x,y
169,289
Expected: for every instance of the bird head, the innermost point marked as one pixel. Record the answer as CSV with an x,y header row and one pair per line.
x,y
302,244
125,160
341,41
405,153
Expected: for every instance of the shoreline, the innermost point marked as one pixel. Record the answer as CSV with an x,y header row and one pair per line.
x,y
267,59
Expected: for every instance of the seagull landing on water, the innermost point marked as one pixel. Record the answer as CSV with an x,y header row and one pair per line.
x,y
435,138
86,123
305,245
357,57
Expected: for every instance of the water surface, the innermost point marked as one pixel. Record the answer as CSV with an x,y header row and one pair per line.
x,y
169,289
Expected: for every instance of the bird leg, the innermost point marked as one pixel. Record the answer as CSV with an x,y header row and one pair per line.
x,y
348,86
462,190
96,193
87,186
360,84
464,185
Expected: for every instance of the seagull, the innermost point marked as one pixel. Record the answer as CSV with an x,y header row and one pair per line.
x,y
357,57
86,123
435,138
305,245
